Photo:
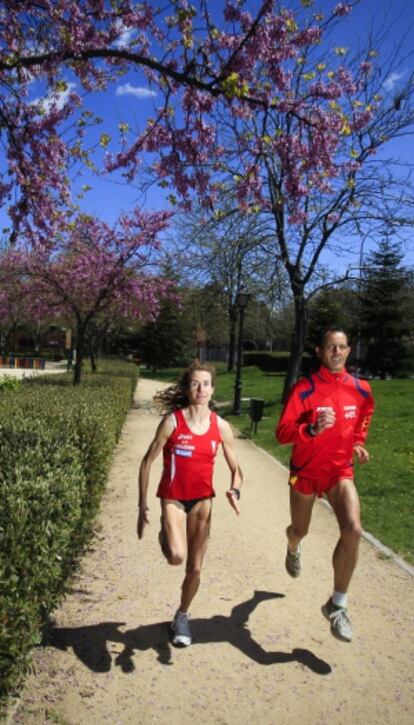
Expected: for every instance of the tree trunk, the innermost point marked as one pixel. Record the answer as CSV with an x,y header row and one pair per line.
x,y
297,344
91,351
80,350
232,337
92,359
37,340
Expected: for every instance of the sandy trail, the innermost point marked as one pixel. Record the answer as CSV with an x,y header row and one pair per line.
x,y
262,653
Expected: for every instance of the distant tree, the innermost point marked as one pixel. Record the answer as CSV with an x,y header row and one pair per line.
x,y
224,250
384,324
283,320
165,342
228,251
410,305
332,306
205,307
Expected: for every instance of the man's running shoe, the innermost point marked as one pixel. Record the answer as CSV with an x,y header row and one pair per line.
x,y
181,630
292,563
340,623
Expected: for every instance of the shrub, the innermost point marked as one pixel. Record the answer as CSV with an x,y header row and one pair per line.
x,y
9,383
274,362
56,444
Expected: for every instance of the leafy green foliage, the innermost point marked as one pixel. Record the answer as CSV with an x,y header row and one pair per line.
x,y
9,383
275,362
332,307
384,321
56,443
165,341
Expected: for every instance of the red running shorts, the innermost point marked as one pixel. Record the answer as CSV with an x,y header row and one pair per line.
x,y
309,486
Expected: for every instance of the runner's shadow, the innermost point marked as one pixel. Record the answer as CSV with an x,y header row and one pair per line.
x,y
90,644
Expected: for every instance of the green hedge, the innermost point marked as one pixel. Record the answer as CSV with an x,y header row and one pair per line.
x,y
274,362
56,443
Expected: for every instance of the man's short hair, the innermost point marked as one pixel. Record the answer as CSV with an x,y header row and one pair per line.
x,y
330,329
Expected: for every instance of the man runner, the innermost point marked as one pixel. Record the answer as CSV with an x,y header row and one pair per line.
x,y
326,418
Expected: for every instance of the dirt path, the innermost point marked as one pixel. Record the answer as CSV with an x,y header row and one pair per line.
x,y
263,652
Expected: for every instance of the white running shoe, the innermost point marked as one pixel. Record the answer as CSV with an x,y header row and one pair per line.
x,y
340,623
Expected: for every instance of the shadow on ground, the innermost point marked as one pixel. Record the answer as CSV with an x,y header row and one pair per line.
x,y
90,643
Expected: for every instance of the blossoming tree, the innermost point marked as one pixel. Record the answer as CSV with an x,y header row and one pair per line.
x,y
95,270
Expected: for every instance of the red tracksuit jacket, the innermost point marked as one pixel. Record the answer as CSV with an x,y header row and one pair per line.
x,y
332,449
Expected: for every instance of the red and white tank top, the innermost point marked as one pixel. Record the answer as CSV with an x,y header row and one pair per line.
x,y
189,461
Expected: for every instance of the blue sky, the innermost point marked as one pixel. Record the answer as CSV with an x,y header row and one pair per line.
x,y
131,101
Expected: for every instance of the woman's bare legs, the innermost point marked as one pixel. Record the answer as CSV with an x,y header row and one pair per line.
x,y
198,532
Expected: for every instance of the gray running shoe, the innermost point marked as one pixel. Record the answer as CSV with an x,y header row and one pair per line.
x,y
292,563
340,623
181,630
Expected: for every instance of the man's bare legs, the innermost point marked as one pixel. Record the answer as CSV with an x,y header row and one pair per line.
x,y
301,513
345,503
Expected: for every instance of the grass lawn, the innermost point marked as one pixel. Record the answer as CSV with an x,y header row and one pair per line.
x,y
385,485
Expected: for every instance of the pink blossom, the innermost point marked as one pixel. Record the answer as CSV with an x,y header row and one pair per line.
x,y
365,67
342,9
333,218
344,78
298,217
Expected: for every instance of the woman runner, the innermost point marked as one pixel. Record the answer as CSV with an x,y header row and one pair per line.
x,y
189,436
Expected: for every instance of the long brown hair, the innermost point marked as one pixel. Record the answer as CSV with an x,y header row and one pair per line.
x,y
176,396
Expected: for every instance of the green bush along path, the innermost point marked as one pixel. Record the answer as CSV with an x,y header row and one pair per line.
x,y
56,444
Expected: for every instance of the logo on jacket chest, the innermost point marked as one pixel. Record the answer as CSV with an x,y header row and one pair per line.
x,y
350,411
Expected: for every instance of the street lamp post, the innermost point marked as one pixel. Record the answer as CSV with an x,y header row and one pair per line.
x,y
241,301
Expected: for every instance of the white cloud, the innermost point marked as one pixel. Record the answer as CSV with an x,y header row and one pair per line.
x,y
53,100
392,80
125,37
138,91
